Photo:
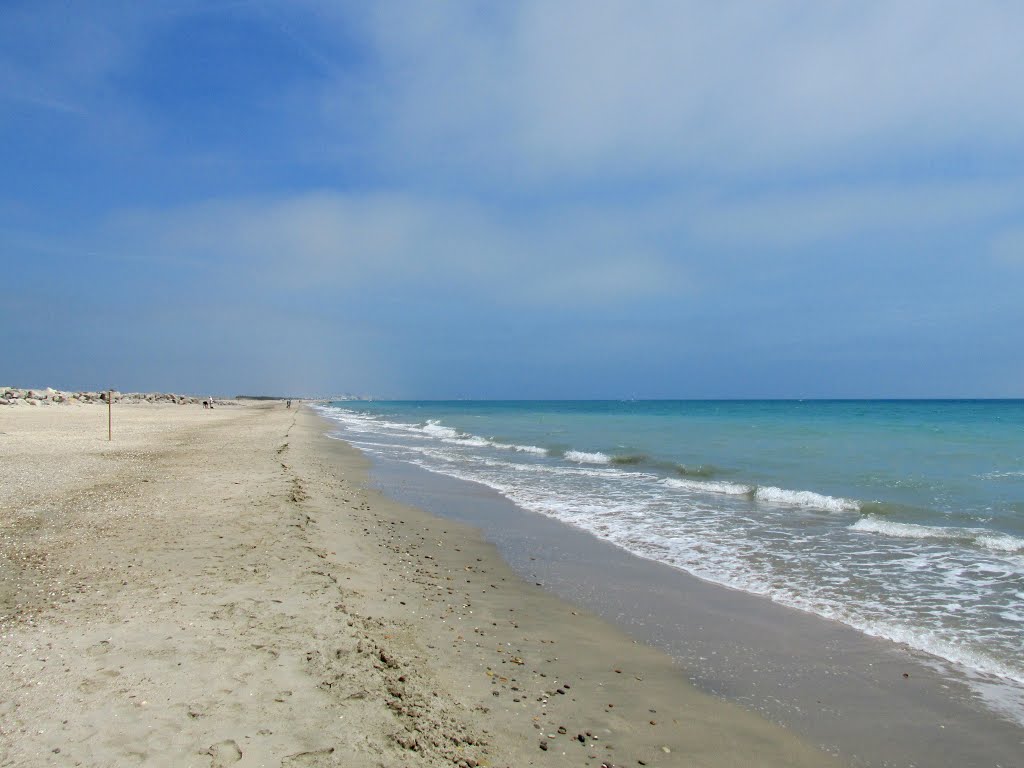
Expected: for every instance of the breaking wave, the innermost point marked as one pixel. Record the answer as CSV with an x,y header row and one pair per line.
x,y
582,457
992,540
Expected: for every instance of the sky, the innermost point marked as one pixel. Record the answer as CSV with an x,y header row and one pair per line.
x,y
550,199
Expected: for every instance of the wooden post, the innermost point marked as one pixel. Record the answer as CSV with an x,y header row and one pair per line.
x,y
110,415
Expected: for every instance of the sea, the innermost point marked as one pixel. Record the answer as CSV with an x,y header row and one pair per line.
x,y
902,519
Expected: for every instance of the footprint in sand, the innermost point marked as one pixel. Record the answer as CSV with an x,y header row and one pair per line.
x,y
310,758
92,685
102,647
223,753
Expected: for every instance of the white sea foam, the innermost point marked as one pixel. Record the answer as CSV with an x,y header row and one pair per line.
x,y
767,494
809,499
525,449
582,457
346,418
532,449
436,429
709,486
998,542
729,541
934,643
471,440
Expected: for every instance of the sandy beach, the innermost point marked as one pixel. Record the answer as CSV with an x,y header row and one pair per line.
x,y
221,587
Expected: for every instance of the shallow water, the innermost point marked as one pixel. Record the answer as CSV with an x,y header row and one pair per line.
x,y
904,520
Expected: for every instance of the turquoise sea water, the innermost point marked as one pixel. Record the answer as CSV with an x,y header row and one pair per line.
x,y
904,519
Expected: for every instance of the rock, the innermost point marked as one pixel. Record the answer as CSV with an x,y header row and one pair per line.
x,y
50,396
4,401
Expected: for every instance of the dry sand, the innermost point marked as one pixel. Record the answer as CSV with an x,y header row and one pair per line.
x,y
220,588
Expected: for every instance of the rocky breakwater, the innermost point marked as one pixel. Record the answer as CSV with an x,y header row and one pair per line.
x,y
48,396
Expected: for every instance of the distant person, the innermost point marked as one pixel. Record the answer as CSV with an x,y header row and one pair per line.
x,y
206,403
288,404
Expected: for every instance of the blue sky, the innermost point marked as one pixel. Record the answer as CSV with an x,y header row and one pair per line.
x,y
533,199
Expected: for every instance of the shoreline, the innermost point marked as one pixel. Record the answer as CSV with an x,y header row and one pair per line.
x,y
220,587
508,636
835,686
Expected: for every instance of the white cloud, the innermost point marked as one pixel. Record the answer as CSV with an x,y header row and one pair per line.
x,y
586,89
590,88
391,244
1007,246
834,214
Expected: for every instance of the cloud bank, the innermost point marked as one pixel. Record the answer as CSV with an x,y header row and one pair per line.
x,y
582,199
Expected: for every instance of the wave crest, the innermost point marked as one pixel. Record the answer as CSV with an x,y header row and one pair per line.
x,y
436,429
767,494
992,540
705,486
525,449
582,457
808,499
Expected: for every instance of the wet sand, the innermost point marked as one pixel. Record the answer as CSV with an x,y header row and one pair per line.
x,y
221,588
866,700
